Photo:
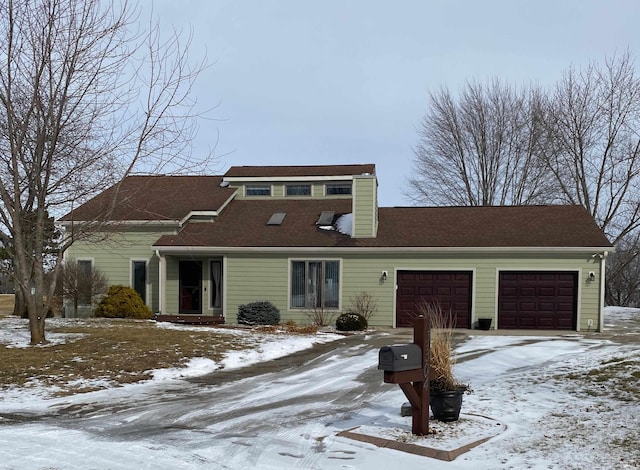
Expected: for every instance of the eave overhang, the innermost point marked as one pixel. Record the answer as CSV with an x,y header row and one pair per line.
x,y
116,223
590,251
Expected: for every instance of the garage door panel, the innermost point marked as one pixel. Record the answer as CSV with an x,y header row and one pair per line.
x,y
548,291
450,289
527,291
546,323
526,322
546,307
543,300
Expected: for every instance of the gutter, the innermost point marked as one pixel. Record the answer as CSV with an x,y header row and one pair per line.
x,y
397,250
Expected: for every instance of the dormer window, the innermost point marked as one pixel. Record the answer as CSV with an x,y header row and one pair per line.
x,y
298,190
335,189
258,190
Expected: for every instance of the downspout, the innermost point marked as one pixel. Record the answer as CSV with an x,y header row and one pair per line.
x,y
602,287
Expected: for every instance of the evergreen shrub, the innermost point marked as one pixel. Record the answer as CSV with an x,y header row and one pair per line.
x,y
258,313
351,321
122,302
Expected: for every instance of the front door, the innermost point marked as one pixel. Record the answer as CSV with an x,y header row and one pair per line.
x,y
190,286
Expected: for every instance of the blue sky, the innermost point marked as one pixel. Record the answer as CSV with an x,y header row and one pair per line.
x,y
327,82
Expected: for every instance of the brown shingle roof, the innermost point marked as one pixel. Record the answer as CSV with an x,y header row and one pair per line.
x,y
244,224
296,171
155,198
506,226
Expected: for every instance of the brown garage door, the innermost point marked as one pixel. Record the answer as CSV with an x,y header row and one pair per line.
x,y
537,300
450,289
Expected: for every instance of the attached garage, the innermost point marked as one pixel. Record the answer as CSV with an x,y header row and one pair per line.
x,y
537,300
450,289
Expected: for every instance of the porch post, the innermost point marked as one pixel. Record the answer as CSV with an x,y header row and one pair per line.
x,y
162,274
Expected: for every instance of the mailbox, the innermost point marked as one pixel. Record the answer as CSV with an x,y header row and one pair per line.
x,y
400,357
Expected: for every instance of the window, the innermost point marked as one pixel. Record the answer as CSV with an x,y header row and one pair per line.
x,y
298,190
84,285
258,190
139,278
315,284
332,189
216,283
276,218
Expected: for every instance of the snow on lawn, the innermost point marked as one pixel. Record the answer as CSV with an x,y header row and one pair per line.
x,y
541,405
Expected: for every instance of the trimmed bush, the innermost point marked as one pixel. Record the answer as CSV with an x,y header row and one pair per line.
x,y
122,302
351,321
258,313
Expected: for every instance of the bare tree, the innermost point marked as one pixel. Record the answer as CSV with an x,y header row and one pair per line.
x,y
592,143
480,148
82,283
86,98
623,274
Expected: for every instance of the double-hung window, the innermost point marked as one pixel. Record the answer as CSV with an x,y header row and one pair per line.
x,y
315,284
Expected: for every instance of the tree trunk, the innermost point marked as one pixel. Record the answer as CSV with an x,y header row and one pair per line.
x,y
36,325
37,314
19,307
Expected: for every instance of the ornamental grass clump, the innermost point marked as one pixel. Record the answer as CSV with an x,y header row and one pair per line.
x,y
441,358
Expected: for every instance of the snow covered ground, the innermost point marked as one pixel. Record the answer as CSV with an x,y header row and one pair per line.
x,y
552,409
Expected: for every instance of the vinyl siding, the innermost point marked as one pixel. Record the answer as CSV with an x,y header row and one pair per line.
x,y
251,278
261,278
114,254
365,210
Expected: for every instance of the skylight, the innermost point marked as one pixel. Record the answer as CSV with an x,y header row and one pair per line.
x,y
277,218
326,218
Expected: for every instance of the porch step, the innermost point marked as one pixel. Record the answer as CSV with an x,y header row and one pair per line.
x,y
192,319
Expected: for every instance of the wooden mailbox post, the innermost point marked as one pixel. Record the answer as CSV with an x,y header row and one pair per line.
x,y
415,382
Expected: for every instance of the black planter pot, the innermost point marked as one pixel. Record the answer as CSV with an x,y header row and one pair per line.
x,y
484,323
446,405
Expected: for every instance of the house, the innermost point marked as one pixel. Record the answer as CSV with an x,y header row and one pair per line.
x,y
313,237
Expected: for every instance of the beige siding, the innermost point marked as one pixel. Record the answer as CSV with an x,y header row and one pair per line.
x,y
251,278
257,278
365,210
113,256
